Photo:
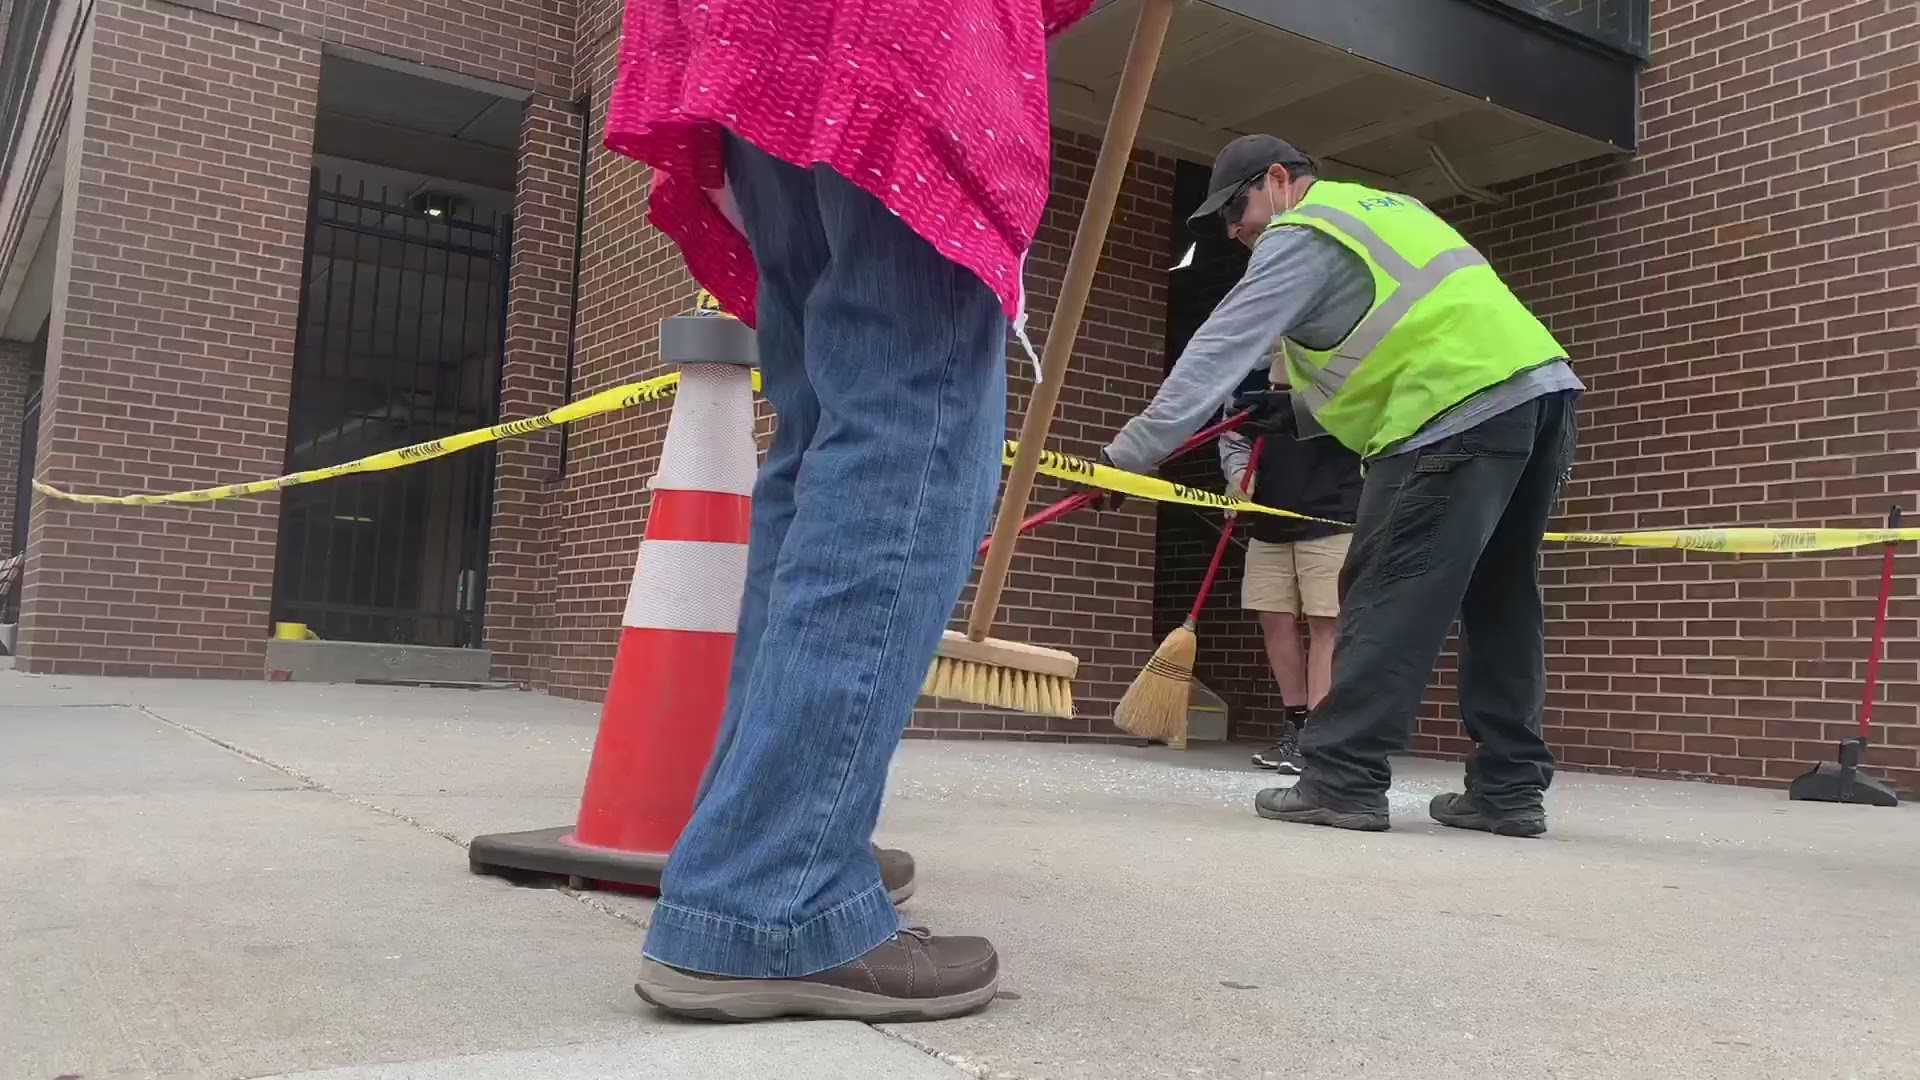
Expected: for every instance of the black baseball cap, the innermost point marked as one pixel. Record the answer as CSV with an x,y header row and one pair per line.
x,y
1243,159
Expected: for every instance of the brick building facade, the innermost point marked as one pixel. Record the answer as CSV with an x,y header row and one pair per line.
x,y
1738,291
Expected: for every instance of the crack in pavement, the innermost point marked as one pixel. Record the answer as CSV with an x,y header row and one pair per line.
x,y
588,900
314,783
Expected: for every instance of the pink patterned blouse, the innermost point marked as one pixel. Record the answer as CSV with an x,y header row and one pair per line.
x,y
936,107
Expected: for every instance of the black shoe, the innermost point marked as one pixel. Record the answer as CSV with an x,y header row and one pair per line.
x,y
1290,804
1461,810
1274,755
1284,755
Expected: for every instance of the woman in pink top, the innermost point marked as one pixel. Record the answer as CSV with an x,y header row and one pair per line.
x,y
860,181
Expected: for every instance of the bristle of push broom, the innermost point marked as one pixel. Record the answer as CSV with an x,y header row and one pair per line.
x,y
1155,706
1003,675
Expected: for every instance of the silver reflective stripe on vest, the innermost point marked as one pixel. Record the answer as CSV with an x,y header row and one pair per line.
x,y
1412,285
1321,383
1374,328
1389,257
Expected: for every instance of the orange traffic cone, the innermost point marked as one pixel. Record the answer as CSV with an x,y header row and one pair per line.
x,y
669,687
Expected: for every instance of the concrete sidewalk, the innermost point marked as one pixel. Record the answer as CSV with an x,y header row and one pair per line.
x,y
244,880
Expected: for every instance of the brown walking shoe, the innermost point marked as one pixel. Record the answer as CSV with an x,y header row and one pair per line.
x,y
911,976
896,872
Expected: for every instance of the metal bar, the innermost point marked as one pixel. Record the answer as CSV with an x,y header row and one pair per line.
x,y
290,564
383,207
398,492
488,469
584,107
356,484
420,484
368,610
23,480
329,503
469,527
452,535
386,234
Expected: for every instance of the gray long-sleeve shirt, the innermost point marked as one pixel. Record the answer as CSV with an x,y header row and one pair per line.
x,y
1300,283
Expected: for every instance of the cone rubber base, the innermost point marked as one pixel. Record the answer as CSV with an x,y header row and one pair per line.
x,y
1832,782
551,853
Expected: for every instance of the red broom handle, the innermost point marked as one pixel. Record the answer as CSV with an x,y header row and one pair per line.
x,y
1081,498
1226,534
1879,628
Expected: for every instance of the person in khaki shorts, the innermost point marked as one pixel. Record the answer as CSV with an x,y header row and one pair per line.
x,y
1293,566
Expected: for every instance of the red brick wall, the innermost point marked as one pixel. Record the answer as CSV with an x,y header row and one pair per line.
x,y
522,42
14,357
1743,300
170,354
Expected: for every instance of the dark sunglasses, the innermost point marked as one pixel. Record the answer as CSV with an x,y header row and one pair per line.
x,y
1237,204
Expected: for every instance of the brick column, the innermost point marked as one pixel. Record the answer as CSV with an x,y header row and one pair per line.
x,y
172,344
14,356
520,564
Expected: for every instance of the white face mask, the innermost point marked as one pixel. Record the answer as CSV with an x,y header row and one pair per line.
x,y
1274,209
1252,236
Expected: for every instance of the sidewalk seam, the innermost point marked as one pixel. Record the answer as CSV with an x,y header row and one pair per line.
x,y
587,900
974,1069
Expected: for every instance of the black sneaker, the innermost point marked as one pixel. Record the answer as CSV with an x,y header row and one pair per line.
x,y
1282,757
1461,810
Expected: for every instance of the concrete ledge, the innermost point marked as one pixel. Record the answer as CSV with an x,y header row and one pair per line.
x,y
351,661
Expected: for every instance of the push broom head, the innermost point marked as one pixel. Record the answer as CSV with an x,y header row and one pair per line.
x,y
1003,675
1155,706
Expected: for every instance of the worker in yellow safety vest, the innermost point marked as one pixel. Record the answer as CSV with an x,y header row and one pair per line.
x,y
1402,343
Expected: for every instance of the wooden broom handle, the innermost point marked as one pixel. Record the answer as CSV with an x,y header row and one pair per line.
x,y
1116,148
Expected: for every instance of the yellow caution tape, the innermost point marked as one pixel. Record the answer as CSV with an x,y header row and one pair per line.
x,y
1093,474
606,401
1746,541
1052,463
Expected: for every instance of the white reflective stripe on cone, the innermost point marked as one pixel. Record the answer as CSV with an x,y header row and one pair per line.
x,y
692,585
709,444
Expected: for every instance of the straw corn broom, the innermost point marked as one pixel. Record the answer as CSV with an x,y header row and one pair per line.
x,y
1155,705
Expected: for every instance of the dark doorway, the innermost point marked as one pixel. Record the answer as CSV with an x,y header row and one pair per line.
x,y
402,326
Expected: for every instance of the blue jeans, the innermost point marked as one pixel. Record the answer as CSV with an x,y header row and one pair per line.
x,y
886,366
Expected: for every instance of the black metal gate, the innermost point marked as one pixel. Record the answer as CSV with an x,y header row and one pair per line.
x,y
23,483
402,326
22,503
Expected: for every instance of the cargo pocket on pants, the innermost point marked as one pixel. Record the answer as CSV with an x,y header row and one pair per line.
x,y
1418,513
